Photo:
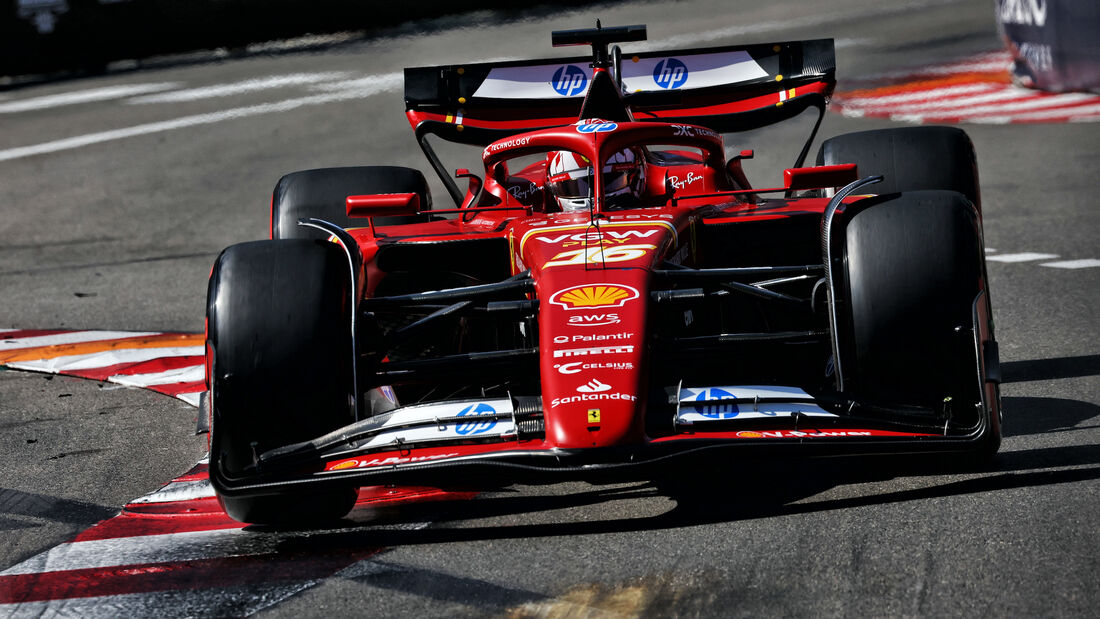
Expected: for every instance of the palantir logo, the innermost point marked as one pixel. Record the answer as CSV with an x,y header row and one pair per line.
x,y
716,411
475,425
670,73
569,80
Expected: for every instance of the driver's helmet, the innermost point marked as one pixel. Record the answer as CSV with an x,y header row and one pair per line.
x,y
569,179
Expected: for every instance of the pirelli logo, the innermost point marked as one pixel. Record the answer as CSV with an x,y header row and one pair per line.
x,y
597,350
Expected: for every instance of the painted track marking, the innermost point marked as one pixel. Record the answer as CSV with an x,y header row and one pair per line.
x,y
363,88
236,88
92,95
172,552
1021,257
974,90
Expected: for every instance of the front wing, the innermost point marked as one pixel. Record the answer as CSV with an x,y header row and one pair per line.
x,y
497,442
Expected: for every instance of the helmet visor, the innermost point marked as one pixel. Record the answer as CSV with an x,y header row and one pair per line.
x,y
572,184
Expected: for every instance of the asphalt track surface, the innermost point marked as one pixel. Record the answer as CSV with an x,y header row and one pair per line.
x,y
119,232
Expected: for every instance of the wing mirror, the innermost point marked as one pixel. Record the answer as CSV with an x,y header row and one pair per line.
x,y
382,204
820,177
473,189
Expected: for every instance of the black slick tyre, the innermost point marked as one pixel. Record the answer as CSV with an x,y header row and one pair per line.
x,y
322,194
911,269
909,158
278,329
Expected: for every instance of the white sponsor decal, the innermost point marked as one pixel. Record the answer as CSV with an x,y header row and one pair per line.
x,y
1023,12
601,337
548,81
576,367
691,131
520,192
745,392
701,405
1037,55
598,350
472,419
690,71
591,397
496,146
593,386
595,237
680,184
594,320
609,238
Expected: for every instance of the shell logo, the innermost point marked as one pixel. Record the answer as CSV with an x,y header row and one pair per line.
x,y
748,434
346,464
591,296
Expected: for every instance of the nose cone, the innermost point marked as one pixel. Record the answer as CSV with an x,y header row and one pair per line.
x,y
593,286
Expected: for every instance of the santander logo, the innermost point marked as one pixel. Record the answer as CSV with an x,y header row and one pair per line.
x,y
593,386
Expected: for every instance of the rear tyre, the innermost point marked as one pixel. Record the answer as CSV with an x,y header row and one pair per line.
x,y
322,194
911,269
909,158
278,327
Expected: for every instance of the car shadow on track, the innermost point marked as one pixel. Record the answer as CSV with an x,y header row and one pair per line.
x,y
1049,369
769,489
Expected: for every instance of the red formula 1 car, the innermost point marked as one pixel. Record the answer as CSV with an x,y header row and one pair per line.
x,y
609,297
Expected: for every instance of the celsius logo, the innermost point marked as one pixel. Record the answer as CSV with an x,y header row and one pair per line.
x,y
476,426
670,73
569,80
593,386
716,411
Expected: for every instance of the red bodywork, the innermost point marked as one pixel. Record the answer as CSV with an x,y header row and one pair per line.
x,y
599,294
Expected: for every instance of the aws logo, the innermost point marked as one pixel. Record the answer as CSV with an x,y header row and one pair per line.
x,y
594,320
594,296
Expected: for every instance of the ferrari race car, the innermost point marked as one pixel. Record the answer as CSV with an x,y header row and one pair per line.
x,y
609,297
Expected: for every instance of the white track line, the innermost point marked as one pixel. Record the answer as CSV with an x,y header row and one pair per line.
x,y
76,337
83,96
1021,257
236,88
378,83
1085,263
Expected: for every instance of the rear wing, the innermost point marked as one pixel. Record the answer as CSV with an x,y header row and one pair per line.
x,y
728,89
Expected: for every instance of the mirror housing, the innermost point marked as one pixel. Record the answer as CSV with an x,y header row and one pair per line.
x,y
383,204
819,177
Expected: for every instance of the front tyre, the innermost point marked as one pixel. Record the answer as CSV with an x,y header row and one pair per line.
x,y
912,311
280,346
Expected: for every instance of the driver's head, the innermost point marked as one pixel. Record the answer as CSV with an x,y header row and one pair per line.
x,y
569,179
